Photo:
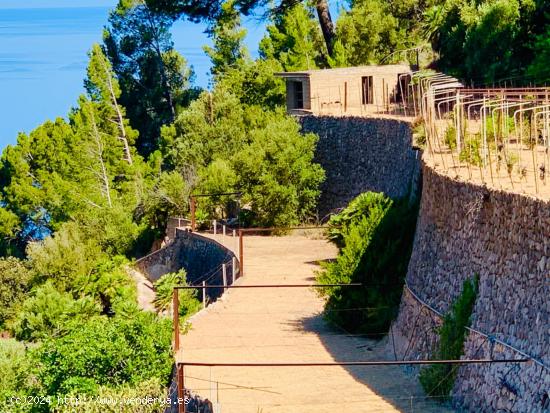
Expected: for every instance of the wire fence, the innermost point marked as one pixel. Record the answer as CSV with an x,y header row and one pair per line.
x,y
228,388
488,337
494,136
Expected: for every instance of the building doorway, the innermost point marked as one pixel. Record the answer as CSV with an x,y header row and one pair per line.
x,y
367,88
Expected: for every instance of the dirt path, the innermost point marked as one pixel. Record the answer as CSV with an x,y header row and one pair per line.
x,y
145,290
284,325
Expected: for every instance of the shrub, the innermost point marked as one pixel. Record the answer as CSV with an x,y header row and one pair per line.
x,y
118,396
106,352
108,283
471,152
164,289
450,137
419,133
50,313
16,379
65,256
15,279
376,252
511,160
438,379
366,204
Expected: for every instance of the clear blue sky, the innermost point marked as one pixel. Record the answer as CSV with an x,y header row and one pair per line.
x,y
20,4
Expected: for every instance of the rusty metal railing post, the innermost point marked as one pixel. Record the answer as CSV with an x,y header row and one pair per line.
x,y
181,388
241,254
176,321
193,213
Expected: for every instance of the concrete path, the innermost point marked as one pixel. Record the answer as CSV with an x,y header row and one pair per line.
x,y
284,325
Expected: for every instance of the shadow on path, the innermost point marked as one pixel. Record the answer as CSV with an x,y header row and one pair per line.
x,y
391,383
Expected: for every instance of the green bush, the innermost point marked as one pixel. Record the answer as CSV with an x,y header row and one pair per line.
x,y
16,379
164,289
450,137
64,257
438,379
15,279
118,396
236,147
108,283
51,313
376,250
471,152
106,352
419,134
367,204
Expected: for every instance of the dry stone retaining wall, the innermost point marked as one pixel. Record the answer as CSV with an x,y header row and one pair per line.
x,y
362,154
465,229
201,258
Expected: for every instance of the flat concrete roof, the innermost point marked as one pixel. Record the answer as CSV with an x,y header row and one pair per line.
x,y
345,70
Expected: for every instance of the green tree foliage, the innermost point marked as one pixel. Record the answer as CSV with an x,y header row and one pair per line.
x,y
64,256
294,40
489,40
539,69
75,171
108,352
252,81
154,79
276,172
376,248
211,10
15,281
75,263
31,178
103,87
368,32
77,197
168,197
262,153
50,313
438,379
227,34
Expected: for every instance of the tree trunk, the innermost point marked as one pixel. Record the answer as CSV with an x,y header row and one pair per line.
x,y
120,118
103,176
327,26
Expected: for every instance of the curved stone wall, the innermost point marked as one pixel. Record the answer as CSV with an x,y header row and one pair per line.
x,y
201,258
362,154
465,229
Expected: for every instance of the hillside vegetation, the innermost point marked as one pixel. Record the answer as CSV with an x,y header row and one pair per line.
x,y
82,196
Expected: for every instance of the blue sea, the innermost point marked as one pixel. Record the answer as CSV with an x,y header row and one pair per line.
x,y
43,57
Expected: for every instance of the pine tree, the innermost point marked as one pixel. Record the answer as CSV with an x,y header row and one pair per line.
x,y
227,34
154,79
294,40
102,86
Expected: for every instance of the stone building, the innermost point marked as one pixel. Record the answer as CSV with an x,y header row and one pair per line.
x,y
358,90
